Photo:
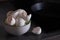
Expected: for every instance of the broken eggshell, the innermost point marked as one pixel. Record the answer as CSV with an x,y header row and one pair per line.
x,y
37,30
10,20
9,13
29,17
21,22
20,13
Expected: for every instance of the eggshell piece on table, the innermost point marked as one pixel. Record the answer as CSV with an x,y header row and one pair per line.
x,y
37,30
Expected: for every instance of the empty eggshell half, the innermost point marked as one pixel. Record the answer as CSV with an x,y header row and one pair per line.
x,y
9,13
10,20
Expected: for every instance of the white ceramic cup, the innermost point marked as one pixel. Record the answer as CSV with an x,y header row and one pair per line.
x,y
18,30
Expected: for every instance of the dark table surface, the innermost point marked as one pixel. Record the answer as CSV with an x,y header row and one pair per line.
x,y
4,8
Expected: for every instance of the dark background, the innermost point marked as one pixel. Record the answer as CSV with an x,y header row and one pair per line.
x,y
48,19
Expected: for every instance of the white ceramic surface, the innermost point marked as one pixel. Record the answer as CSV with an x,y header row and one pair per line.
x,y
18,30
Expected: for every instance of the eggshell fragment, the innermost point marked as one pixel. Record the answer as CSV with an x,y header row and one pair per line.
x,y
20,13
37,30
10,20
21,22
29,17
9,13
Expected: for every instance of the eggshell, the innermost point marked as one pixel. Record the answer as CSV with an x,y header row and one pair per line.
x,y
37,30
12,21
9,13
21,22
29,17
